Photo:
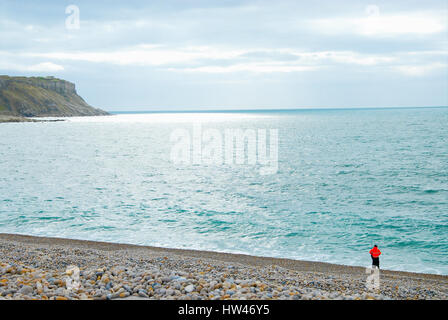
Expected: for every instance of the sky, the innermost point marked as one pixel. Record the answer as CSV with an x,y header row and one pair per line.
x,y
228,54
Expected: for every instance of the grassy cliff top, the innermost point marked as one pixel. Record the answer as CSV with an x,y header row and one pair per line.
x,y
31,79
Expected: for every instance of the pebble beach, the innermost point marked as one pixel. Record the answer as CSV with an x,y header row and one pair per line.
x,y
38,268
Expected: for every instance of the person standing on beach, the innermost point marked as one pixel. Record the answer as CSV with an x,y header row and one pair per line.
x,y
375,254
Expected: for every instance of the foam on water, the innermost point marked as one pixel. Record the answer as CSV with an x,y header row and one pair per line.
x,y
347,179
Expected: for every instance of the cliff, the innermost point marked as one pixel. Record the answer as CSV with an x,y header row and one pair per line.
x,y
42,97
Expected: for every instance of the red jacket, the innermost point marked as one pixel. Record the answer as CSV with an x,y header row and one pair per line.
x,y
375,252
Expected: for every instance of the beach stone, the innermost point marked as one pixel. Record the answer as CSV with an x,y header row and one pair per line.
x,y
189,288
143,293
59,292
161,291
26,290
39,287
109,285
170,292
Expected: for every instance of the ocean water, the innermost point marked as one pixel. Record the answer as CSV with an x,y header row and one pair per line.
x,y
346,179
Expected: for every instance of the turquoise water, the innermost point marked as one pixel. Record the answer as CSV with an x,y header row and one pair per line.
x,y
347,179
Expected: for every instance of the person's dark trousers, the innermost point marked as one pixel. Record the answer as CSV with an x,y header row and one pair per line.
x,y
376,262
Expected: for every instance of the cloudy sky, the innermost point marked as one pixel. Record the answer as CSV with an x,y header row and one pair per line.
x,y
143,55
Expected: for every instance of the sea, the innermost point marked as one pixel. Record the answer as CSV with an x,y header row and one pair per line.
x,y
342,181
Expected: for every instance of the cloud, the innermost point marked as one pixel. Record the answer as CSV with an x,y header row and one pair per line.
x,y
385,25
220,59
420,70
8,62
144,55
45,67
251,67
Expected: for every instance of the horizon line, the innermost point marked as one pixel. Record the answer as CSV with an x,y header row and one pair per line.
x,y
188,110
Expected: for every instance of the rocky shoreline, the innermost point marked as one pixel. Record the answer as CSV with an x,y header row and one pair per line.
x,y
9,119
15,119
39,268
